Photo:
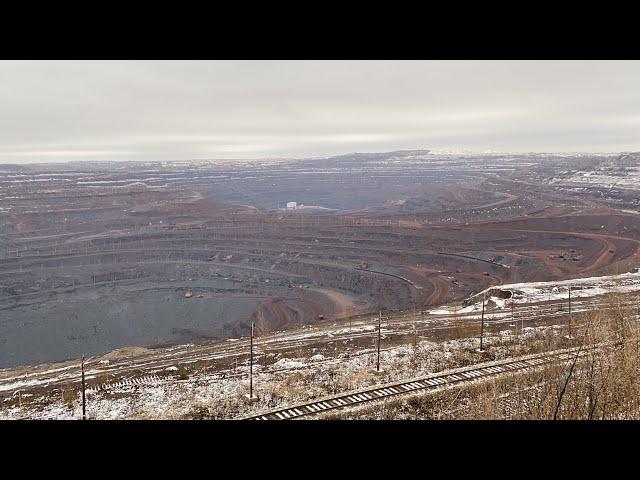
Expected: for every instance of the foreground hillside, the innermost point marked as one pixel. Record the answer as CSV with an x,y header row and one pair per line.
x,y
337,359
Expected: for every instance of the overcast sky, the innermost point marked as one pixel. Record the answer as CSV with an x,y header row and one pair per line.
x,y
131,110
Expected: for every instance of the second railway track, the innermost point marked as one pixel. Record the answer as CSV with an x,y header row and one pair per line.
x,y
435,381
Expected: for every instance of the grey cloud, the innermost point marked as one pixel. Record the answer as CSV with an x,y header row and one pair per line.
x,y
56,111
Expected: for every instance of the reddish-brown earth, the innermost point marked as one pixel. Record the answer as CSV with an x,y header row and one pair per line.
x,y
389,236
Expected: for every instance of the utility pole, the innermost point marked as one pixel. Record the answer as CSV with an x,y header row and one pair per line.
x,y
379,324
84,401
569,310
251,365
482,323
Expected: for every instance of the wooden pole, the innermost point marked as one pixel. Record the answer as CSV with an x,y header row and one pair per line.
x,y
251,364
379,324
482,322
84,401
569,310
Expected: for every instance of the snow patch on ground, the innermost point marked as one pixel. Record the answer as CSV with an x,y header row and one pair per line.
x,y
534,292
220,394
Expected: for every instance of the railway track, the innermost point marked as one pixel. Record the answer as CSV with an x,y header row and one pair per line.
x,y
276,342
435,381
127,382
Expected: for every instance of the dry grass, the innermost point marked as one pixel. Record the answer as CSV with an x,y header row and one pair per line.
x,y
602,384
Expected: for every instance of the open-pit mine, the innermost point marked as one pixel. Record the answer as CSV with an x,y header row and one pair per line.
x,y
96,257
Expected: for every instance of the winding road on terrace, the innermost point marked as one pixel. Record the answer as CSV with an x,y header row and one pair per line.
x,y
608,247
